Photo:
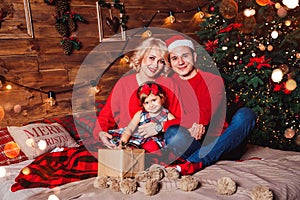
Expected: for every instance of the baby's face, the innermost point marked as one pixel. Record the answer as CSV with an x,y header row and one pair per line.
x,y
153,104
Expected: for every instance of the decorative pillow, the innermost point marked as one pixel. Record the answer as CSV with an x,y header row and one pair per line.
x,y
67,122
36,139
9,152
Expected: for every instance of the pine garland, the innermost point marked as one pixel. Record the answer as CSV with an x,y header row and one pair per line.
x,y
65,24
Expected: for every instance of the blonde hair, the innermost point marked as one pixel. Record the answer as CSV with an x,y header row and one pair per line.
x,y
144,48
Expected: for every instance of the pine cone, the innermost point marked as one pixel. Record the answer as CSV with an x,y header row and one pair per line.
x,y
71,24
62,6
61,28
67,46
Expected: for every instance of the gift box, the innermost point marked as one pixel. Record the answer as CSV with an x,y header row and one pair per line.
x,y
120,162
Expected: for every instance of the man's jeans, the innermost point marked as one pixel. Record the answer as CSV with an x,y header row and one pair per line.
x,y
229,145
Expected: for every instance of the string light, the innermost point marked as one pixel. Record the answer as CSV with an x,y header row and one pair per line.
x,y
170,19
51,94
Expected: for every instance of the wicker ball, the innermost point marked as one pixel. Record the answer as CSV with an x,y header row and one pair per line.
x,y
226,186
261,193
128,186
188,183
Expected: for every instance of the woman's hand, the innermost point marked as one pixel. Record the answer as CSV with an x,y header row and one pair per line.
x,y
105,137
147,130
197,131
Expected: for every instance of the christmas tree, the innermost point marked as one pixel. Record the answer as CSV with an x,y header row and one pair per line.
x,y
255,44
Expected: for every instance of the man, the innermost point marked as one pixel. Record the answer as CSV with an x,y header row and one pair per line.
x,y
220,141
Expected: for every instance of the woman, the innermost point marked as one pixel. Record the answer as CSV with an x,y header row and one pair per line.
x,y
149,61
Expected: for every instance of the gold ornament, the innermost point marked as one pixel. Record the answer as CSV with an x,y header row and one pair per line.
x,y
262,47
270,48
291,85
248,23
277,5
228,9
298,55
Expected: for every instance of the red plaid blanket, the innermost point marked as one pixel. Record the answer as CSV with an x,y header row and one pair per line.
x,y
74,164
57,168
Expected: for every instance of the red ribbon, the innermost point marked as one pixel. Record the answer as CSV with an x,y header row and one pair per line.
x,y
281,87
146,89
230,27
260,62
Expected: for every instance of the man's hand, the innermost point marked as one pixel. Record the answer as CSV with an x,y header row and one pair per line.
x,y
197,131
147,130
105,137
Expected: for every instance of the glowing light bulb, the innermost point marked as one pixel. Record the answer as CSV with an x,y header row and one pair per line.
x,y
277,75
247,12
42,144
8,87
274,34
53,197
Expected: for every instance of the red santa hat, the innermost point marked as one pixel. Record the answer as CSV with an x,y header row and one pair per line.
x,y
177,41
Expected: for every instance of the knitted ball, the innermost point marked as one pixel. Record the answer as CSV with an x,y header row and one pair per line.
x,y
261,193
114,185
156,174
172,173
226,186
142,176
188,183
151,187
128,186
101,182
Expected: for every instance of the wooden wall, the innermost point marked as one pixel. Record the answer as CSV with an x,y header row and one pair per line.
x,y
40,63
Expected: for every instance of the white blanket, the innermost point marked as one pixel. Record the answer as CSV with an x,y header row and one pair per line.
x,y
278,170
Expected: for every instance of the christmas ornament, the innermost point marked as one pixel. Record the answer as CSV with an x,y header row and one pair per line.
x,y
248,23
11,149
291,85
228,9
2,113
259,62
284,68
298,55
282,12
263,2
270,48
289,133
262,47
